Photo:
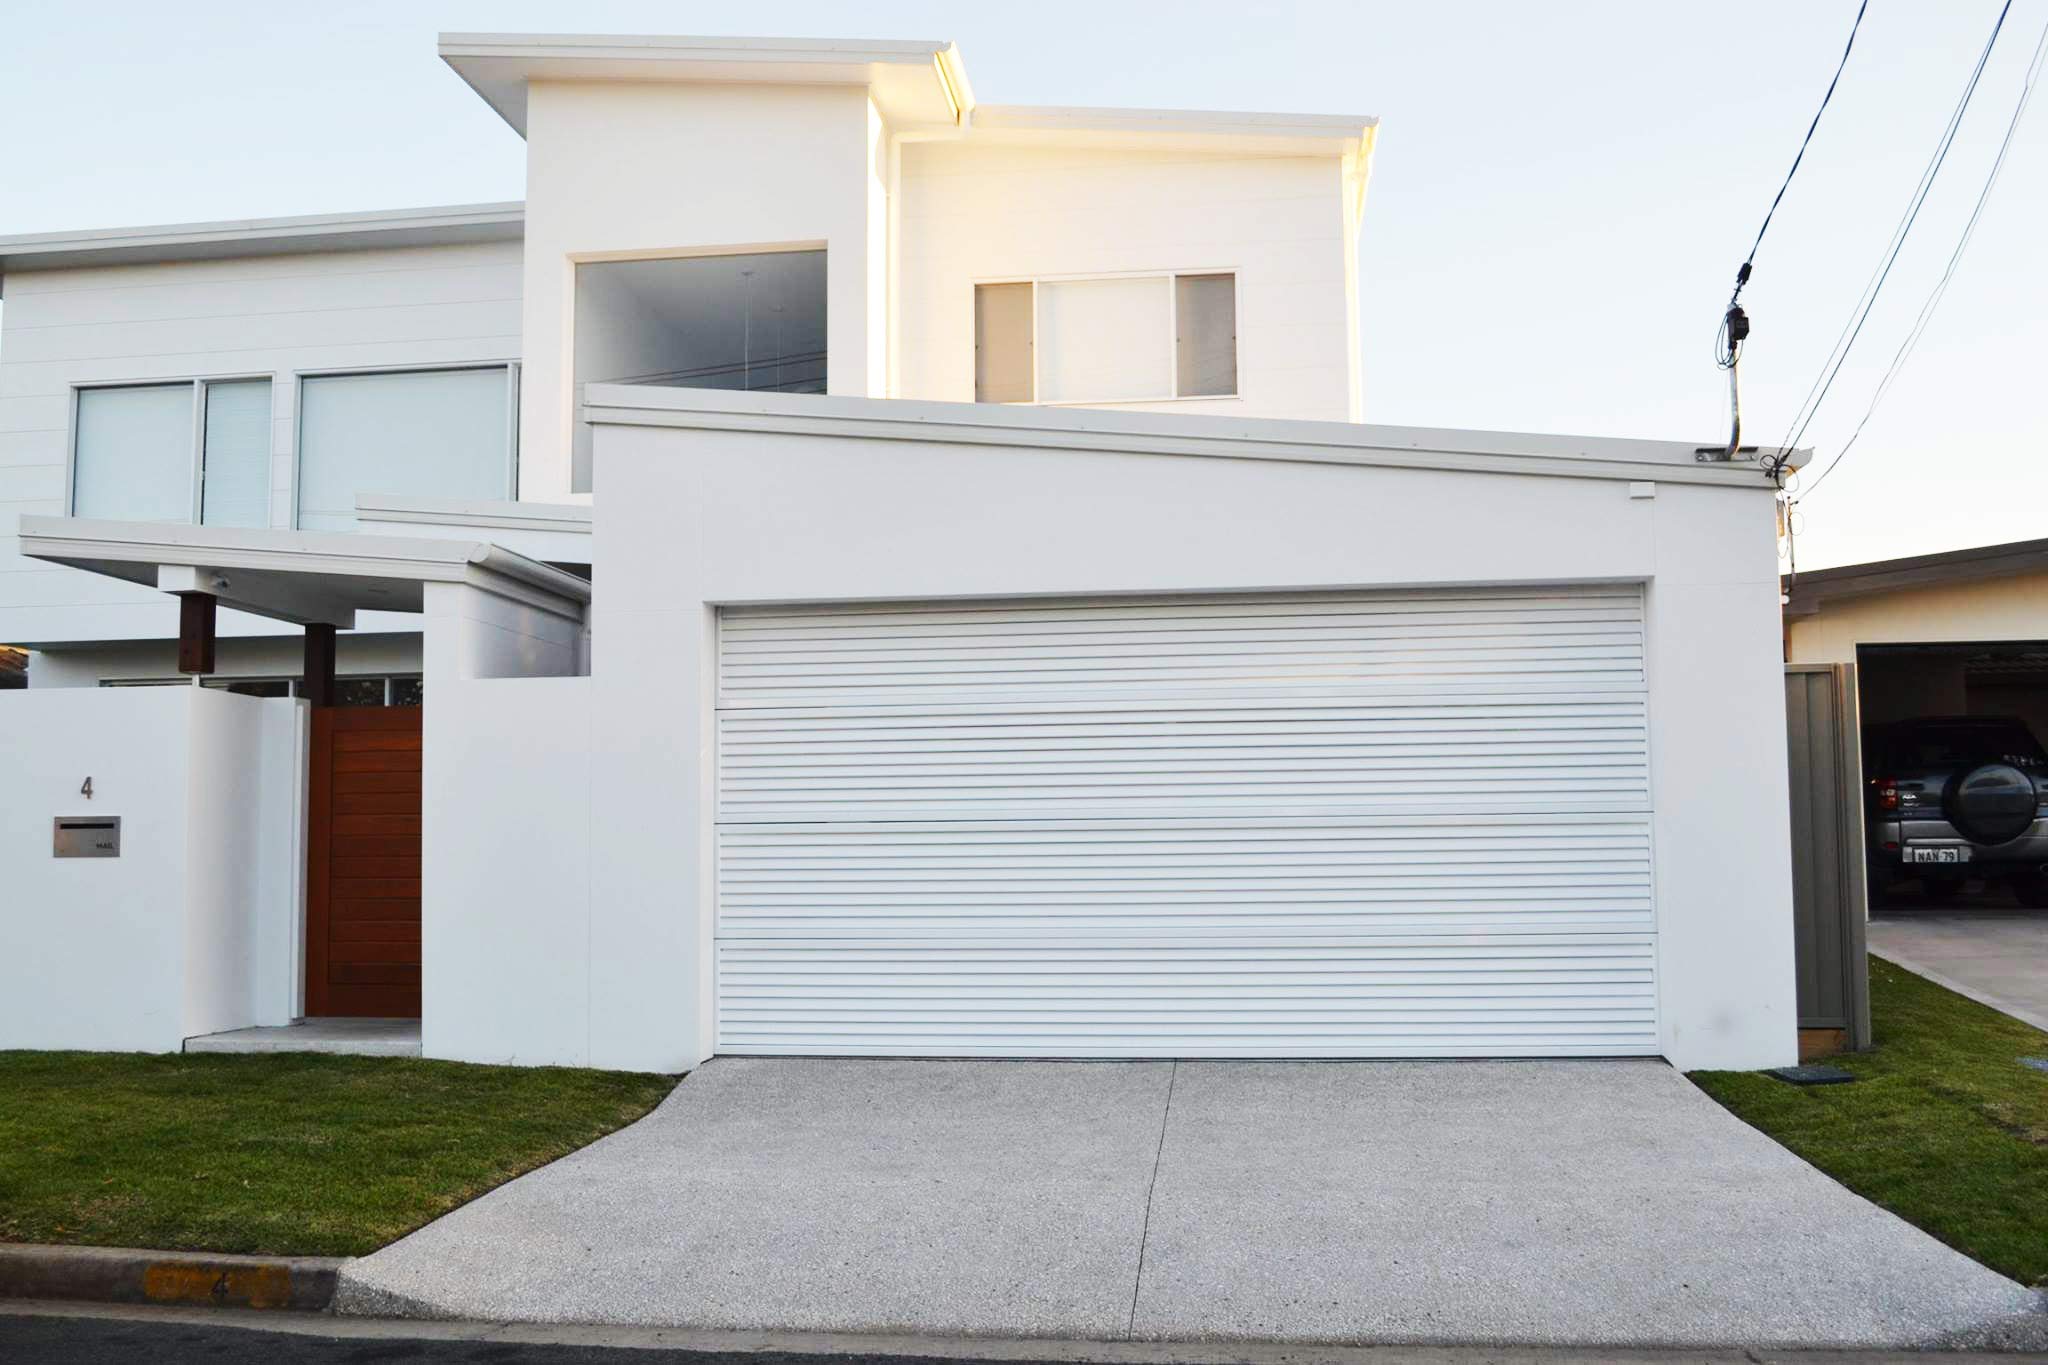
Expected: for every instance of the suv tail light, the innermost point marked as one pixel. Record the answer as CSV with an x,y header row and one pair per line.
x,y
1887,792
1893,794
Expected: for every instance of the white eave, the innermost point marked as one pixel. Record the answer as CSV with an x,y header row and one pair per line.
x,y
484,514
1171,435
1193,129
238,237
913,83
299,576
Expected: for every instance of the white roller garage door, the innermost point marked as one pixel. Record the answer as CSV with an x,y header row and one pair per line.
x,y
1338,825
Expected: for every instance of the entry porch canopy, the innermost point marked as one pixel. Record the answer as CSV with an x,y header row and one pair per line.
x,y
489,612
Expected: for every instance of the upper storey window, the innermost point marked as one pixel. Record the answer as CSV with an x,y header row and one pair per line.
x,y
1116,339
739,320
191,452
424,433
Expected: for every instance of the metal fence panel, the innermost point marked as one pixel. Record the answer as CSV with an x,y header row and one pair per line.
x,y
1827,848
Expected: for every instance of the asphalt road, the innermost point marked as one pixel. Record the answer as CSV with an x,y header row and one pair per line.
x,y
53,1336
90,1341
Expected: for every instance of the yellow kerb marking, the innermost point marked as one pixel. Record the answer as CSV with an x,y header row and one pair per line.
x,y
254,1286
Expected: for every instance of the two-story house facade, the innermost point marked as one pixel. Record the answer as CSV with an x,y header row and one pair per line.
x,y
230,374
844,568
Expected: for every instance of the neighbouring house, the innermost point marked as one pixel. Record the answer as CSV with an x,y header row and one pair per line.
x,y
848,569
1955,643
1964,632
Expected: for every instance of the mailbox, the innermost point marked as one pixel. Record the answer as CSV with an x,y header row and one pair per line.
x,y
87,836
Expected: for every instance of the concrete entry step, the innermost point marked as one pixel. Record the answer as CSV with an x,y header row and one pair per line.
x,y
356,1037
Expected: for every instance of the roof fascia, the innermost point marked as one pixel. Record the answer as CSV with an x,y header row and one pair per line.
x,y
1167,435
420,559
229,238
1808,592
932,87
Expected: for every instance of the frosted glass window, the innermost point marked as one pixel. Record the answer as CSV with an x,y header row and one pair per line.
x,y
236,463
422,433
133,454
1103,341
1002,343
1205,335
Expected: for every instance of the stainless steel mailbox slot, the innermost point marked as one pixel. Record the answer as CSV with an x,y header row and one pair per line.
x,y
86,836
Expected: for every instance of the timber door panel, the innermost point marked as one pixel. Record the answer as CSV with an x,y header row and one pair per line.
x,y
363,868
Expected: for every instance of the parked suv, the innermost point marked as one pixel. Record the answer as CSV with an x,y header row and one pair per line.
x,y
1952,797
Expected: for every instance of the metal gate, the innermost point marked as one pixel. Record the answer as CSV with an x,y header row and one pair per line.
x,y
1828,904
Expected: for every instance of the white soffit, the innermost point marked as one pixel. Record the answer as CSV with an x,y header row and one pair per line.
x,y
913,83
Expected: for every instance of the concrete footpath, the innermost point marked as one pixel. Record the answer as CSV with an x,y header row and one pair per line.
x,y
1584,1204
1997,958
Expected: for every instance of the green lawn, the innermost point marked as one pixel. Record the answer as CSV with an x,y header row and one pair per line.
x,y
1942,1125
286,1153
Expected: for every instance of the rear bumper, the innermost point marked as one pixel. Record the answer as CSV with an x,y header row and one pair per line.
x,y
1887,840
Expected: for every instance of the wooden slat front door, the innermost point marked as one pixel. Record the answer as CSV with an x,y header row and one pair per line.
x,y
363,872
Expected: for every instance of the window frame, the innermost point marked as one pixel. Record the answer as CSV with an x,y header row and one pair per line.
x,y
511,368
196,386
1172,278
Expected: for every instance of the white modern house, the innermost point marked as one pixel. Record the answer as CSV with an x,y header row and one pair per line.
x,y
847,569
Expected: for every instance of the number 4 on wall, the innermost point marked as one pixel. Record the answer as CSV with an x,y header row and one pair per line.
x,y
85,789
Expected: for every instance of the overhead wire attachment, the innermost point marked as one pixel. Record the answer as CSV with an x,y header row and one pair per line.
x,y
1734,321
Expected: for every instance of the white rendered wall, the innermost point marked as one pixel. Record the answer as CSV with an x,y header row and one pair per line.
x,y
194,927
973,211
697,518
472,633
279,316
505,887
622,170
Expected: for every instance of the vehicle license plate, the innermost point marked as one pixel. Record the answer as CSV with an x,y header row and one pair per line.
x,y
1937,855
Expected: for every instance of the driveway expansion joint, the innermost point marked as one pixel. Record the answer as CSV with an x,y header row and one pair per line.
x,y
1145,1229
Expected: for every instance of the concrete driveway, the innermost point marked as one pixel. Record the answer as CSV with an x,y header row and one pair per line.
x,y
1583,1203
1997,957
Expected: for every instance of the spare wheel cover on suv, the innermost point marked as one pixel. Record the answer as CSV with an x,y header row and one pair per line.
x,y
1990,804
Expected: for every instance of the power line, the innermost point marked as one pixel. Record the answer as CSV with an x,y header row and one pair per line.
x,y
1742,274
1832,366
1962,244
1734,322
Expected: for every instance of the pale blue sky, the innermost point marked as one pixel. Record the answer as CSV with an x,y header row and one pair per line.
x,y
1561,196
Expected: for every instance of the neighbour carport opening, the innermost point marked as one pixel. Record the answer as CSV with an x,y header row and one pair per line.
x,y
1955,762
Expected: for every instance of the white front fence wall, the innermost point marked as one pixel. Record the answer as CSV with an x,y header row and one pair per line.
x,y
194,928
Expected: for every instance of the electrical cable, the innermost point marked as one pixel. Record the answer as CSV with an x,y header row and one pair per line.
x,y
1927,309
1832,367
1742,273
1734,328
